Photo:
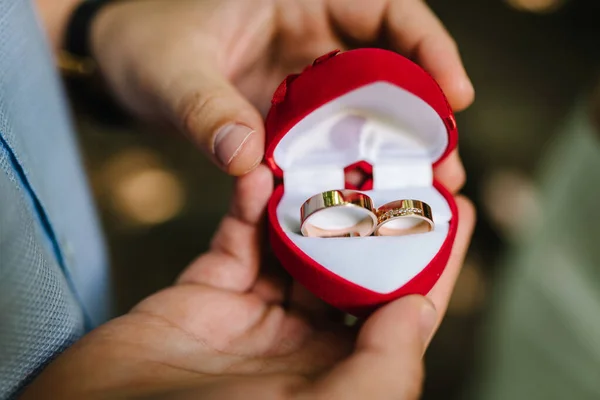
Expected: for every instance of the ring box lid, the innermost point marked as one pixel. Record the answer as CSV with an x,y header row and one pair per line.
x,y
388,91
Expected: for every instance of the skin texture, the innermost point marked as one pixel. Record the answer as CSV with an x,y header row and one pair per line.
x,y
231,327
228,329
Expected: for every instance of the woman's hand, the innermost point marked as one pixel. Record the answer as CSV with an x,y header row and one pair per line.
x,y
226,330
211,66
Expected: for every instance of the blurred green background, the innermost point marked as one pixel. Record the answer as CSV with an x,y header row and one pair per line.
x,y
529,61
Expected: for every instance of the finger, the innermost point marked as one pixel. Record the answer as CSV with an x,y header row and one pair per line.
x,y
316,310
274,283
264,386
298,348
451,173
387,362
415,31
441,292
215,116
233,259
270,289
302,300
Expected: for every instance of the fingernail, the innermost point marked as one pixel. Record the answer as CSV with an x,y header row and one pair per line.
x,y
428,321
229,140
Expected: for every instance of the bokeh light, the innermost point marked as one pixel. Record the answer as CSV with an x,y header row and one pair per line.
x,y
149,196
141,189
511,201
536,6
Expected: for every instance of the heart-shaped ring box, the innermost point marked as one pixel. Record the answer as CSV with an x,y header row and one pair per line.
x,y
377,110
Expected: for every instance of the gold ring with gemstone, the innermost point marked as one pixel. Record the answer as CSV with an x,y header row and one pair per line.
x,y
404,217
338,213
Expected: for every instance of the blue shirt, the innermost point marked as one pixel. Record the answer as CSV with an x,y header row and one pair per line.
x,y
54,281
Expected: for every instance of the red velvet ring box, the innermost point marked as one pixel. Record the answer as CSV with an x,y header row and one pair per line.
x,y
377,109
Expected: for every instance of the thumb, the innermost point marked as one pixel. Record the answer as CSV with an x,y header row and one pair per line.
x,y
217,118
387,361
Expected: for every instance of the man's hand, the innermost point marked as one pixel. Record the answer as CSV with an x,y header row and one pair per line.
x,y
226,330
211,66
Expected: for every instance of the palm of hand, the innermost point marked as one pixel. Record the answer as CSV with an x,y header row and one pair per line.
x,y
208,341
220,320
191,334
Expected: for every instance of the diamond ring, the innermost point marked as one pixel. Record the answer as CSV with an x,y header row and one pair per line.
x,y
404,217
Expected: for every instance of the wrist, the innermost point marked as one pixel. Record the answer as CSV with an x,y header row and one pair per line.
x,y
78,63
55,17
75,56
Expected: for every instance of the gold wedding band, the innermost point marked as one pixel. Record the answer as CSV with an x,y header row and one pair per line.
x,y
338,213
404,217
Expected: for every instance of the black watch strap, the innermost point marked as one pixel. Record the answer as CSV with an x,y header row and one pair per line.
x,y
77,64
78,32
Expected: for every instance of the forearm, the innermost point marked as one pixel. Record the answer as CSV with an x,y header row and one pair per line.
x,y
55,16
